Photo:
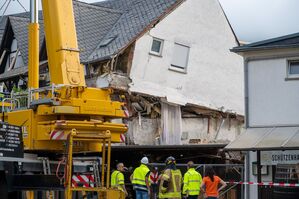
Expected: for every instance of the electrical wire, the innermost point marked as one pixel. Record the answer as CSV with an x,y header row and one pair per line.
x,y
3,4
63,161
8,2
2,17
22,5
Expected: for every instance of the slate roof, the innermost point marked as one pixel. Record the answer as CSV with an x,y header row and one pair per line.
x,y
3,21
92,24
20,29
123,5
287,41
2,26
138,15
103,28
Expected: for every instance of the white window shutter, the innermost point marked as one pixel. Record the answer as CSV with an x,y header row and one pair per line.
x,y
180,56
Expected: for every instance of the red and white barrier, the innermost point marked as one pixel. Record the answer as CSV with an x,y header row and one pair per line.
x,y
57,135
83,181
126,111
122,138
280,184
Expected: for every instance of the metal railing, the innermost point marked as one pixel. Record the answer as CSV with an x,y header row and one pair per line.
x,y
44,91
21,97
227,172
24,99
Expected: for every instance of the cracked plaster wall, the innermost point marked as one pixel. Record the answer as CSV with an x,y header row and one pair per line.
x,y
144,131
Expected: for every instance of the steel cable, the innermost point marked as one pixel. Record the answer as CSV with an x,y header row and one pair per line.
x,y
4,10
3,4
22,5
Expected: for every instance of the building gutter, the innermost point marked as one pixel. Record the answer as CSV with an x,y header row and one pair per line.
x,y
169,147
105,58
246,90
260,48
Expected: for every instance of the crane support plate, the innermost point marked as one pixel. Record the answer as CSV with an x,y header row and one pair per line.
x,y
11,142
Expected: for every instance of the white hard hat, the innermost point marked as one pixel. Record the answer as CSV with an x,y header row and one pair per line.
x,y
144,160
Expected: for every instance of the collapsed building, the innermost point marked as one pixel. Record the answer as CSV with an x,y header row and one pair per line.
x,y
168,60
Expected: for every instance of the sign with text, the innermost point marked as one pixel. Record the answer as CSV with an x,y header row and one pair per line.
x,y
11,143
279,157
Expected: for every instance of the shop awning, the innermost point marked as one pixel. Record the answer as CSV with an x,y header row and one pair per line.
x,y
273,138
168,147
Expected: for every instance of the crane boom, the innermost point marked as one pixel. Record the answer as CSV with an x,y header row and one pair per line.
x,y
66,116
61,42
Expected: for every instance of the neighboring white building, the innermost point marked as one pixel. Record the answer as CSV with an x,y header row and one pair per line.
x,y
272,116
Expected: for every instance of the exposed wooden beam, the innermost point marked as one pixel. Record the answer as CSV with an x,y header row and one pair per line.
x,y
2,56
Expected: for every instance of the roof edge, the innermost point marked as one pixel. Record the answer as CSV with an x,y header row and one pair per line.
x,y
274,39
236,38
257,45
260,48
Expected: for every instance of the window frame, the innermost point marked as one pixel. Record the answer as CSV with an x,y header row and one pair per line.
x,y
159,54
290,76
179,68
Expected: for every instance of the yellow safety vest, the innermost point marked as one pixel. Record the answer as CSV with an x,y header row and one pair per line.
x,y
174,189
117,179
192,182
139,176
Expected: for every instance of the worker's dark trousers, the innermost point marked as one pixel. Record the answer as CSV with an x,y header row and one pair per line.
x,y
192,197
154,191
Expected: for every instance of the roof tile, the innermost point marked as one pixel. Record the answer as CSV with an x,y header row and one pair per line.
x,y
92,24
138,14
96,23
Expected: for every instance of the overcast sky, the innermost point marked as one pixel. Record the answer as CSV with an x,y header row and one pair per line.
x,y
252,20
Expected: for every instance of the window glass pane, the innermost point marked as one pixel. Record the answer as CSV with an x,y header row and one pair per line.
x,y
180,56
294,68
156,46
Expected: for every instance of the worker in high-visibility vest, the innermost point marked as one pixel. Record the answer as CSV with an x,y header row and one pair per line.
x,y
117,178
140,181
171,180
192,182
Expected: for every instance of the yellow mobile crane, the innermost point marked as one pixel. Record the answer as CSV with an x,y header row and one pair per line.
x,y
67,115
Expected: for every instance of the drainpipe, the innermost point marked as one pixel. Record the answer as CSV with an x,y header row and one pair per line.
x,y
247,174
259,173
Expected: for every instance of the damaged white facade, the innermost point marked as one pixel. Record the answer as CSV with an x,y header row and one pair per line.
x,y
181,82
185,61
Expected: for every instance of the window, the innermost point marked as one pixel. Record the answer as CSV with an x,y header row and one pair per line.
x,y
293,69
157,46
180,57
